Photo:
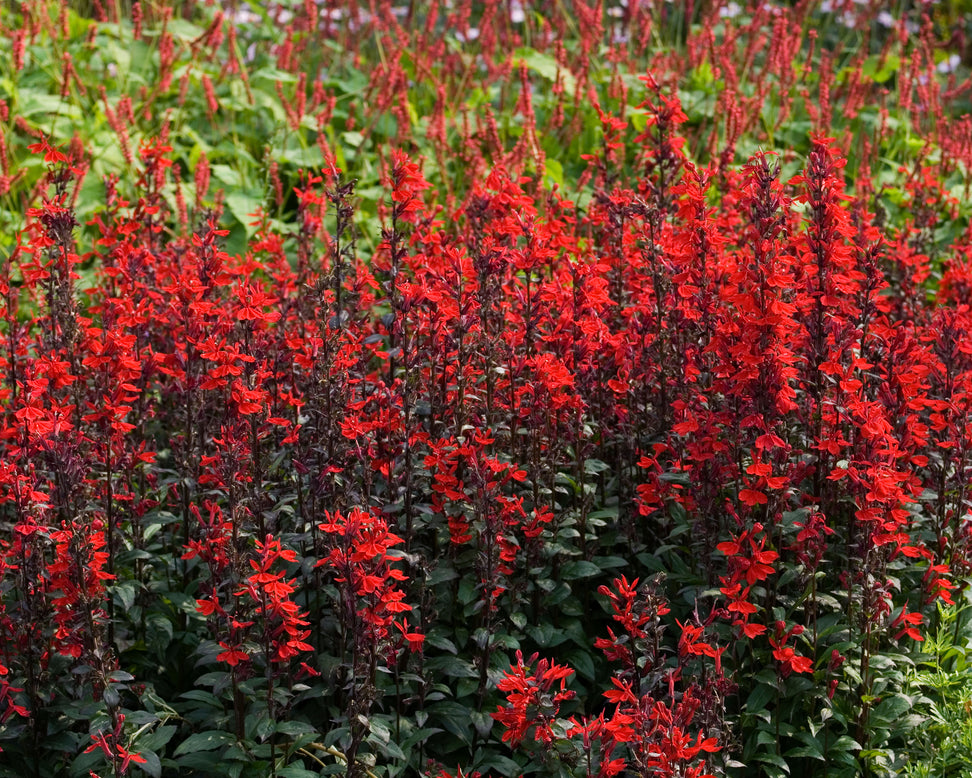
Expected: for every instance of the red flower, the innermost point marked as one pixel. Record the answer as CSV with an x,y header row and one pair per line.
x,y
531,708
51,154
232,656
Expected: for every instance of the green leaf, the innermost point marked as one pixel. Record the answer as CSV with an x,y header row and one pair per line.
x,y
441,574
806,752
812,750
86,762
353,82
206,698
310,157
152,766
483,723
419,735
259,725
580,568
846,743
379,730
604,513
610,562
496,763
766,738
583,664
32,102
273,74
204,741
451,666
547,66
183,30
553,173
546,635
243,205
891,708
776,760
159,633
454,717
226,175
208,762
595,466
436,639
759,696
294,728
880,68
155,741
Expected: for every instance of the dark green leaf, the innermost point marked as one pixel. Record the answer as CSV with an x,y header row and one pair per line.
x,y
452,667
152,766
580,568
204,741
759,697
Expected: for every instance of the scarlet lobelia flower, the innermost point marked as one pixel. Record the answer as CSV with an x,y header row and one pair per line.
x,y
369,604
789,660
367,575
284,633
531,708
407,184
749,563
108,741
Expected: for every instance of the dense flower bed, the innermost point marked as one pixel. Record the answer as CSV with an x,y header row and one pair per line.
x,y
650,457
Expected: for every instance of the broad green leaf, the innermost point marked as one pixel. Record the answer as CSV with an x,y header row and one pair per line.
x,y
204,741
846,743
200,696
155,741
183,30
583,664
497,763
454,717
274,74
580,568
546,66
243,205
418,736
546,635
881,68
124,594
553,172
482,721
891,708
759,697
226,175
151,766
294,728
208,762
451,666
775,760
32,102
